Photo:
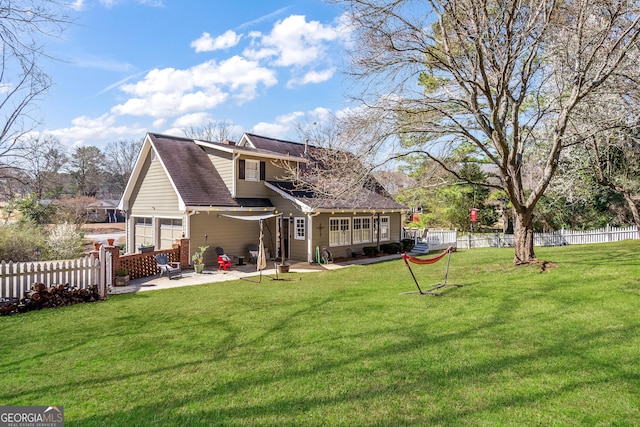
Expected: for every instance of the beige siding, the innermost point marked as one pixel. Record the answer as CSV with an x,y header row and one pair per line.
x,y
223,162
154,195
256,188
233,235
321,232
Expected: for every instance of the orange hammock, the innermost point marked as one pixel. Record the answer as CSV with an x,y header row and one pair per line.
x,y
433,260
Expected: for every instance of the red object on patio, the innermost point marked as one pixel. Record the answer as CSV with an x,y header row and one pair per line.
x,y
224,262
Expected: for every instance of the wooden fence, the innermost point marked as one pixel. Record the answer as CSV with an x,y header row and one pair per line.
x,y
17,278
437,238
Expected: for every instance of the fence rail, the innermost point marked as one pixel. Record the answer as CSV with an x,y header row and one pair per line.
x,y
437,238
16,278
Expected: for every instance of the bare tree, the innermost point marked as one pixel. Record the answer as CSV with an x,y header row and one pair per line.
x,y
505,76
120,158
24,24
212,130
43,164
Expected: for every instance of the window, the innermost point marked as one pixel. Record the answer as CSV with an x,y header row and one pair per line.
x,y
298,224
361,230
384,228
339,231
252,170
143,231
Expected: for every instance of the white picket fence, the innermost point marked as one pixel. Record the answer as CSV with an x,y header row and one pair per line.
x,y
438,239
17,278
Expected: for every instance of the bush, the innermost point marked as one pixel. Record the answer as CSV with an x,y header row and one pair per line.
x,y
370,251
65,241
407,245
19,242
391,248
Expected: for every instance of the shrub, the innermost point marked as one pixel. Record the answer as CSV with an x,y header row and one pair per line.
x,y
407,245
65,241
370,251
391,248
19,242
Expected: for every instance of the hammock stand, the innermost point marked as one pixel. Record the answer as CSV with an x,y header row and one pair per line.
x,y
433,260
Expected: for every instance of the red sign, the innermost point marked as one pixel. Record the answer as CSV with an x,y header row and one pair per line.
x,y
474,215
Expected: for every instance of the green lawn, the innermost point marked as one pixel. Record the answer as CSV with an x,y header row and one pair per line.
x,y
514,346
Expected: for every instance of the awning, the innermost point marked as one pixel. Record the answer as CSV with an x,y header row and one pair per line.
x,y
251,217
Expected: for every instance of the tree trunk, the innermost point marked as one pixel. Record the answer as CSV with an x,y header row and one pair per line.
x,y
633,208
523,238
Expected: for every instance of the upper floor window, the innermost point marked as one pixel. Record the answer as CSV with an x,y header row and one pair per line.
x,y
251,170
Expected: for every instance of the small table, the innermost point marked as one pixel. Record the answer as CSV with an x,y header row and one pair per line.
x,y
240,260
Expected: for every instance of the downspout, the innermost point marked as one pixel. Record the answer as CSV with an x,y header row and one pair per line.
x,y
310,216
188,223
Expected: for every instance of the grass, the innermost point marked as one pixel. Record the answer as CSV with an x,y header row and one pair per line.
x,y
513,347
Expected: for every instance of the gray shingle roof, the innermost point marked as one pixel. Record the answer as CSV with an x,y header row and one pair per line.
x,y
360,199
193,174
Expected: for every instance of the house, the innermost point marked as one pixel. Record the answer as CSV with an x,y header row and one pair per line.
x,y
186,188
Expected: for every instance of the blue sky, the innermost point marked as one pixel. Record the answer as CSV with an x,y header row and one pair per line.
x,y
127,67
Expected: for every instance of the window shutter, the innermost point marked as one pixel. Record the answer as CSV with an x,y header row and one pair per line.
x,y
240,169
263,174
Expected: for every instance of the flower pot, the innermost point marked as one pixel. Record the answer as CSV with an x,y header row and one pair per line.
x,y
283,268
144,249
97,245
198,268
110,242
121,280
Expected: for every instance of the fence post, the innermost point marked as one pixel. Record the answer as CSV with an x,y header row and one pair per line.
x,y
102,272
184,252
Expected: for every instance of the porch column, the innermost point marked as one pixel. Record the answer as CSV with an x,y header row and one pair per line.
x,y
309,238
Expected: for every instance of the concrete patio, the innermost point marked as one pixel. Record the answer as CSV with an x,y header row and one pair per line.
x,y
190,278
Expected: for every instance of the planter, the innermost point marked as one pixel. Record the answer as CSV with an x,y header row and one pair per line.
x,y
144,249
110,242
97,245
198,268
283,268
121,280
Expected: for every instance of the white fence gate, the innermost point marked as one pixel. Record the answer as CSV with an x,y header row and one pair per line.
x,y
17,278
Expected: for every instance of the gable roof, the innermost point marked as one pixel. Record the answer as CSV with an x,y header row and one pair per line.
x,y
195,178
279,146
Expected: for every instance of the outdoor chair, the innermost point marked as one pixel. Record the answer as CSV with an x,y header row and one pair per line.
x,y
170,268
253,252
224,262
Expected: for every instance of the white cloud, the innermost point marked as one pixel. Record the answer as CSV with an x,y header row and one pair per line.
x,y
77,5
87,130
189,120
282,128
208,44
312,77
293,41
168,92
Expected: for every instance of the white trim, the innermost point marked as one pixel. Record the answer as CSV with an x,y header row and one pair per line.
x,y
303,228
343,233
284,194
247,176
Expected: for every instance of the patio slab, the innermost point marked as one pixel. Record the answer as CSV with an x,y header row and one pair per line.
x,y
190,278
